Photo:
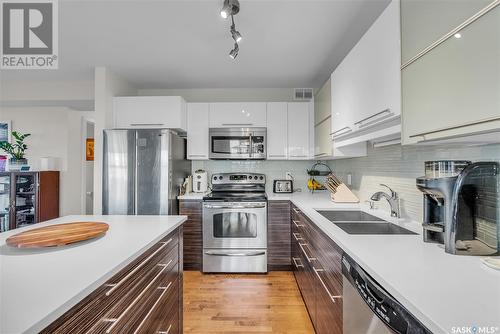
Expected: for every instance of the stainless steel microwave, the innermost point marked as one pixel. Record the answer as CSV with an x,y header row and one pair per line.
x,y
238,143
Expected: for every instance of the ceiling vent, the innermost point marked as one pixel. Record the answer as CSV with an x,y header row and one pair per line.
x,y
303,94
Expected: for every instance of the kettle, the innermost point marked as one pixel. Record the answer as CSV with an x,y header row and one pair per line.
x,y
200,181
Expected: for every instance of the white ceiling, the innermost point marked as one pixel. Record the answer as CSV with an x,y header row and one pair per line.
x,y
185,44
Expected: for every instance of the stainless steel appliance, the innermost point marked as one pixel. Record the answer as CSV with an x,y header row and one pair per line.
x,y
283,186
200,181
238,143
460,201
143,171
369,308
235,224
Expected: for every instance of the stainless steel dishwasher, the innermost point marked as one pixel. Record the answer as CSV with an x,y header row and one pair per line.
x,y
369,309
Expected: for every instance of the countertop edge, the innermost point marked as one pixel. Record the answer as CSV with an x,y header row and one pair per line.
x,y
54,315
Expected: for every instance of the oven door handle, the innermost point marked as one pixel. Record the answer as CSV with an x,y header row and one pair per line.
x,y
254,206
254,253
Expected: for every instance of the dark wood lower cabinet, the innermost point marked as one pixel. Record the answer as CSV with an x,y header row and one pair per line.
x,y
193,233
278,236
318,271
144,297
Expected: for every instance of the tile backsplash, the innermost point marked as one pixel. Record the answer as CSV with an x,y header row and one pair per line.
x,y
273,169
398,167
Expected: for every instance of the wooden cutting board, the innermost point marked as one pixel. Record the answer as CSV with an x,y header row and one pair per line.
x,y
57,235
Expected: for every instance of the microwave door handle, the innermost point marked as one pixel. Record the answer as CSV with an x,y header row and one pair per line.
x,y
250,151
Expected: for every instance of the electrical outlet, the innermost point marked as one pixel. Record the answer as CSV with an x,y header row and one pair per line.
x,y
349,179
288,176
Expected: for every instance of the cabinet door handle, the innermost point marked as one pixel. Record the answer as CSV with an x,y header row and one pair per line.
x,y
320,154
374,118
316,271
341,131
147,124
297,237
117,320
294,259
309,259
115,286
197,155
277,156
423,134
154,306
237,124
296,224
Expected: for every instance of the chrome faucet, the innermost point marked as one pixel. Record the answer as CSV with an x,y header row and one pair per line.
x,y
393,200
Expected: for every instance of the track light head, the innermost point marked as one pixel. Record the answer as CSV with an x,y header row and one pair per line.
x,y
234,52
236,35
230,7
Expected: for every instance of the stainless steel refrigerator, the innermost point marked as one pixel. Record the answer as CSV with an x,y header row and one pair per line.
x,y
143,171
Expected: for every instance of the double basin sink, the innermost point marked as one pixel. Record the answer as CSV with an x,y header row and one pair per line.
x,y
359,222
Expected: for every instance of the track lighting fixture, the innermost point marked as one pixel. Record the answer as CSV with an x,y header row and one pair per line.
x,y
236,34
231,8
234,52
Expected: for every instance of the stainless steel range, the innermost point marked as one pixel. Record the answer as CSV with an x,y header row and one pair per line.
x,y
235,224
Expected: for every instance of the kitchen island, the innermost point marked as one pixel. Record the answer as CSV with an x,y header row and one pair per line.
x,y
38,286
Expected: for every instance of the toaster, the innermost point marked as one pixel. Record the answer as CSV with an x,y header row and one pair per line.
x,y
283,186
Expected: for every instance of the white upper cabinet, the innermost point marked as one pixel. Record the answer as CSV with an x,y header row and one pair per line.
x,y
299,125
140,112
323,144
238,114
366,86
452,92
197,131
277,136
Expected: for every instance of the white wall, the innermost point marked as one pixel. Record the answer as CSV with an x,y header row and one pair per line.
x,y
226,94
55,132
107,85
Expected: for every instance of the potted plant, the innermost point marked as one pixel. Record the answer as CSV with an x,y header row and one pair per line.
x,y
16,150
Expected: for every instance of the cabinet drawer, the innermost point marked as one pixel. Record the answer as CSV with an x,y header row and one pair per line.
x,y
145,315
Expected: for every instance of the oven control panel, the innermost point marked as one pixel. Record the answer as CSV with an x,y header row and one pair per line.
x,y
238,178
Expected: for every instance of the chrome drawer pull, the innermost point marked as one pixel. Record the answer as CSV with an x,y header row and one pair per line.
x,y
316,271
136,299
309,259
296,224
154,305
295,263
115,286
297,237
167,331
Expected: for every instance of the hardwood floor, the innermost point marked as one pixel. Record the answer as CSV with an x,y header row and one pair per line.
x,y
244,304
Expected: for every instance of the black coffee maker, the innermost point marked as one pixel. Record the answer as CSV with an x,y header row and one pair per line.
x,y
461,206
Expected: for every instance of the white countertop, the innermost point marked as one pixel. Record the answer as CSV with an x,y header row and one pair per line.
x,y
442,290
193,196
38,286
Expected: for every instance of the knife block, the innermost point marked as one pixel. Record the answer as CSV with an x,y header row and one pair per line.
x,y
343,195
